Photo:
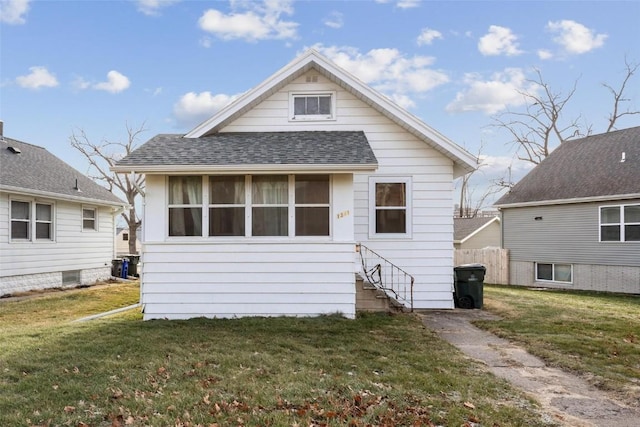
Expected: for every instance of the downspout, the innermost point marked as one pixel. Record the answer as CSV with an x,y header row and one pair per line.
x,y
141,261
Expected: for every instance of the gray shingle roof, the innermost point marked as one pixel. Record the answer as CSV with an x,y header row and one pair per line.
x,y
583,168
253,148
463,227
37,170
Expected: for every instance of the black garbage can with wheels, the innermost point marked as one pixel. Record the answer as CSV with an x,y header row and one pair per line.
x,y
134,260
468,285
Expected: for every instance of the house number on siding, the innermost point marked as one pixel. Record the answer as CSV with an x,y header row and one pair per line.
x,y
343,214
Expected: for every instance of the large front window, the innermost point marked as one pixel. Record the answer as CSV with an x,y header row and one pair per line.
x,y
620,223
390,207
249,205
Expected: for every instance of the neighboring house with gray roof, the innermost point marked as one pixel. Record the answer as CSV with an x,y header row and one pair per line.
x,y
574,221
258,211
476,233
57,226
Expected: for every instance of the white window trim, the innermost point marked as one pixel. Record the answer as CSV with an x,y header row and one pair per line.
x,y
312,117
32,221
553,273
373,180
95,219
620,224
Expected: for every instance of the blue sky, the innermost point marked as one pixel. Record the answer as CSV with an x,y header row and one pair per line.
x,y
96,65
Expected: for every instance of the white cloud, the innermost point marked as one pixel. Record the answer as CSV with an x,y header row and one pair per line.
x,y
499,40
574,37
388,70
427,36
544,54
13,11
193,108
491,96
251,21
152,7
116,82
334,20
37,78
408,4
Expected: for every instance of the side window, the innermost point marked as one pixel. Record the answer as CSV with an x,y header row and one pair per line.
x,y
44,221
390,207
554,272
620,223
20,220
89,219
185,206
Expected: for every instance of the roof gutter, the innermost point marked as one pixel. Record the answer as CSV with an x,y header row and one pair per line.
x,y
265,168
58,196
569,201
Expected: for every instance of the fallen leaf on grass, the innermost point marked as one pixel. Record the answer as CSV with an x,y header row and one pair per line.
x,y
469,405
69,409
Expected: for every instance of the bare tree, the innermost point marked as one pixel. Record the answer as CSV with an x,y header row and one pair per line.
x,y
618,96
471,204
101,157
541,126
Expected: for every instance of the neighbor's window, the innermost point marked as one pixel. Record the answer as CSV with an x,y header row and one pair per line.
x,y
89,219
227,205
391,207
620,223
312,106
554,272
270,205
125,237
185,206
20,220
312,205
44,221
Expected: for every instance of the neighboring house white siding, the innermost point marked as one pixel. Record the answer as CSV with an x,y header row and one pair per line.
x,y
36,264
428,253
122,245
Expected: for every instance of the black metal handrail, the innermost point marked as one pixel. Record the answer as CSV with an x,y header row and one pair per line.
x,y
386,276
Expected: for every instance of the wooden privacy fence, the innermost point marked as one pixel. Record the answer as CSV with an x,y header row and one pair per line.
x,y
495,259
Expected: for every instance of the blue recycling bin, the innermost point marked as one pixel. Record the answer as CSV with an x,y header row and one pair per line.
x,y
125,268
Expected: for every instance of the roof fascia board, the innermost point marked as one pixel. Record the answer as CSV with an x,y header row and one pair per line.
x,y
289,168
465,161
58,196
570,201
479,229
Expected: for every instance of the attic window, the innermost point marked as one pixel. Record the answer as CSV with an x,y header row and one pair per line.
x,y
14,150
312,106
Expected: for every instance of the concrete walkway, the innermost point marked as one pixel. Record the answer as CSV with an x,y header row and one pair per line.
x,y
570,400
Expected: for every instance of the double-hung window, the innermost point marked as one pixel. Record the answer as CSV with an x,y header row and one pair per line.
x,y
312,106
185,206
31,221
390,202
227,205
620,223
312,205
270,205
89,219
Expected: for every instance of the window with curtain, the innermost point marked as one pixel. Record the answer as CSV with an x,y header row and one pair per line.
x,y
312,205
227,205
270,205
185,206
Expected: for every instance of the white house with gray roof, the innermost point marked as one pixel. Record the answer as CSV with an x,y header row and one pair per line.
x,y
574,221
266,208
57,226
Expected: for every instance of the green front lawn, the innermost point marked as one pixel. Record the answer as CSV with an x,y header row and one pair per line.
x,y
375,370
594,334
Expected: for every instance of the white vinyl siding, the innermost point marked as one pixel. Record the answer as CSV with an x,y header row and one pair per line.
x,y
71,250
428,254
